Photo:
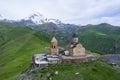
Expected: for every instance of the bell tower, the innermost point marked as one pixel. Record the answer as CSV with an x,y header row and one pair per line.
x,y
54,47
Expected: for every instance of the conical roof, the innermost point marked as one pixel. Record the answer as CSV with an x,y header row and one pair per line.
x,y
75,35
53,39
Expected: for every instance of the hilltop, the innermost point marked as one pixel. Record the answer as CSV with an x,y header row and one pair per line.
x,y
103,38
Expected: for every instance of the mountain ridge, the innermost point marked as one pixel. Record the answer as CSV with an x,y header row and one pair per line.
x,y
33,19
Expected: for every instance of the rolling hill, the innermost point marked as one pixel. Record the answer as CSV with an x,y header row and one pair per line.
x,y
63,32
17,45
103,38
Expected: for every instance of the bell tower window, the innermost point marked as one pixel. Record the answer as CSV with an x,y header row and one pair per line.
x,y
53,46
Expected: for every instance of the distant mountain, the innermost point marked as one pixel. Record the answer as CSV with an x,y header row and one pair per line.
x,y
36,18
49,26
102,38
33,19
63,32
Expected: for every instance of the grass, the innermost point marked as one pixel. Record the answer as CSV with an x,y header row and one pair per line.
x,y
19,46
101,38
96,70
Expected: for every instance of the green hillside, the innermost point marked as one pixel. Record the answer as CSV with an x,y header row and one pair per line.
x,y
103,38
17,45
63,32
96,70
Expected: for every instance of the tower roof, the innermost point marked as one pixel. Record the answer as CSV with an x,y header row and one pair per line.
x,y
53,39
75,35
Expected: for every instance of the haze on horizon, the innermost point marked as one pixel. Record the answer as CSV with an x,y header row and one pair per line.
x,y
68,11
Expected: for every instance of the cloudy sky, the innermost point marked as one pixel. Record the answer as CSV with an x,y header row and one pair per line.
x,y
68,11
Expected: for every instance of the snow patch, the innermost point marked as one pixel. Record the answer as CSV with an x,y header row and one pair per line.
x,y
1,17
38,18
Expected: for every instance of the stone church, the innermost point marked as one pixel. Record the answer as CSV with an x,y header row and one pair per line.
x,y
75,48
75,53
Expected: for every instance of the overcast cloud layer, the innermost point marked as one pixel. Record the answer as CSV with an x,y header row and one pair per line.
x,y
68,11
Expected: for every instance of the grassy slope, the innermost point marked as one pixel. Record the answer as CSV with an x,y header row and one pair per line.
x,y
101,38
96,70
18,44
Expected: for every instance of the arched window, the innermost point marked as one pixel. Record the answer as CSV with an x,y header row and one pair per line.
x,y
53,46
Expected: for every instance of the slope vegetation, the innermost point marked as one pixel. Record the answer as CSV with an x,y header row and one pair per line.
x,y
103,38
17,45
96,70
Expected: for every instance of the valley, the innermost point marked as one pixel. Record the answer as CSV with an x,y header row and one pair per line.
x,y
59,39
19,42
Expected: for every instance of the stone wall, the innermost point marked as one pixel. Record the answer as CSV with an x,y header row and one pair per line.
x,y
77,61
